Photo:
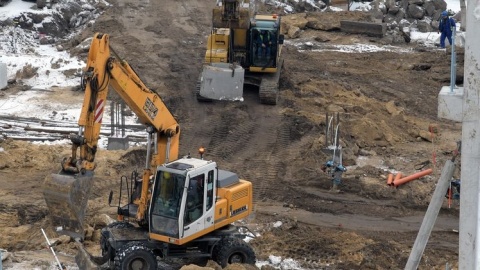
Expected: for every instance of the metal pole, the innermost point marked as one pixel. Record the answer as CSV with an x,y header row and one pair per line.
x,y
326,130
430,216
112,118
453,65
51,249
122,114
469,257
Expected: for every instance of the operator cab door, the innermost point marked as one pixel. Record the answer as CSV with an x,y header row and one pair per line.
x,y
199,210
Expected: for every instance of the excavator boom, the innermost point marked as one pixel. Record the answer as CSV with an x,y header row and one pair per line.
x,y
66,193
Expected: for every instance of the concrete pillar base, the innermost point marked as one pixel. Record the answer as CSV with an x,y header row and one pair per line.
x,y
450,104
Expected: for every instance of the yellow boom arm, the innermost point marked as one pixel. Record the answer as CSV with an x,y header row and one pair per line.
x,y
104,70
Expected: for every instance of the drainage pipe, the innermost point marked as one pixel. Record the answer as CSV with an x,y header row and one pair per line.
x,y
412,177
389,180
398,176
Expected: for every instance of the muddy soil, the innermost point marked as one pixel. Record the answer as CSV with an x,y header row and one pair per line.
x,y
387,102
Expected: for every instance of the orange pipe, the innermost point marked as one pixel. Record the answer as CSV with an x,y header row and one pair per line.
x,y
412,177
389,179
397,177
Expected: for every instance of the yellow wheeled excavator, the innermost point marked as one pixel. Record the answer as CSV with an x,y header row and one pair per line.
x,y
180,207
243,48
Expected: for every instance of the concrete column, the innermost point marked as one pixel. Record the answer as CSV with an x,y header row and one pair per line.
x,y
469,240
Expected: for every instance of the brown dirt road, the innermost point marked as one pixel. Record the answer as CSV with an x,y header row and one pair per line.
x,y
387,101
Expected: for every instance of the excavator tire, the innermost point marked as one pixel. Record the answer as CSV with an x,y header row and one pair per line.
x,y
233,250
135,255
198,85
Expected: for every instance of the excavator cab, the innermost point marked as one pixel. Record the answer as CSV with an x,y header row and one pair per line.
x,y
182,201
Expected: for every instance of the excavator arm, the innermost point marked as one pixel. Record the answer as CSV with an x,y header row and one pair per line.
x,y
66,193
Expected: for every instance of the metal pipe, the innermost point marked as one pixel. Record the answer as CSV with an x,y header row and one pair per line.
x,y
149,150
53,251
326,130
167,154
453,65
112,118
122,113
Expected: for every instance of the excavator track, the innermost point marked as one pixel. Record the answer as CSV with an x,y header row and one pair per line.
x,y
268,90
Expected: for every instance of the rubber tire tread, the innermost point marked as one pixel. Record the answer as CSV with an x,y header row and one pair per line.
x,y
230,245
139,249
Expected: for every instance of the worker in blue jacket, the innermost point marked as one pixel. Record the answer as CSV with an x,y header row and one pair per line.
x,y
446,26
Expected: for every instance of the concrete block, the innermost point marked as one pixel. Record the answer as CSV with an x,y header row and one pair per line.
x,y
222,81
3,75
367,28
117,143
450,104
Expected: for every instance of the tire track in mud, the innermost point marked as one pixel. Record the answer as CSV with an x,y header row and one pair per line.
x,y
229,139
252,146
270,165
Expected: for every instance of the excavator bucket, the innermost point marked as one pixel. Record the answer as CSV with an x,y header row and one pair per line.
x,y
66,197
222,81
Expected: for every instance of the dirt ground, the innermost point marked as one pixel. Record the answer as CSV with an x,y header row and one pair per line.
x,y
387,102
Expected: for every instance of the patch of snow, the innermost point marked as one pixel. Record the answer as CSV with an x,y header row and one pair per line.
x,y
279,263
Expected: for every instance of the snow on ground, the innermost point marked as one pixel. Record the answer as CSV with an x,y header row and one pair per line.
x,y
20,48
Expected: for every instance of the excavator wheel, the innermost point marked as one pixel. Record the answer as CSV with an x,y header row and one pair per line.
x,y
233,250
198,85
135,255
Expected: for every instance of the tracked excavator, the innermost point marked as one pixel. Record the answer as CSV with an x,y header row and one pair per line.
x,y
243,48
179,207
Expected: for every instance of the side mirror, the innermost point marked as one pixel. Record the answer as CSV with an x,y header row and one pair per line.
x,y
281,38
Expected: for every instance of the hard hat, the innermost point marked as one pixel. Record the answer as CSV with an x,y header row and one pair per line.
x,y
444,13
166,175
